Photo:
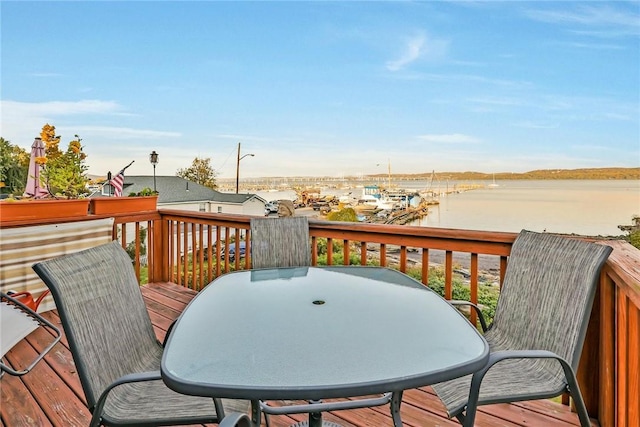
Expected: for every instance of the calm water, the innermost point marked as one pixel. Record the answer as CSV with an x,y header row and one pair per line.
x,y
572,206
582,207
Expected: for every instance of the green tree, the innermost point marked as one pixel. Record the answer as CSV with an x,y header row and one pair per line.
x,y
634,231
14,167
200,172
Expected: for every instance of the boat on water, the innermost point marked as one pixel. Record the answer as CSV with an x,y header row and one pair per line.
x,y
493,184
375,197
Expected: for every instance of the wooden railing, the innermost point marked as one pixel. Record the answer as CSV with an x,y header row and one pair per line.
x,y
615,339
190,258
192,248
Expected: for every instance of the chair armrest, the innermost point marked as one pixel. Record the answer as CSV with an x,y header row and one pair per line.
x,y
483,322
235,419
125,379
476,379
501,355
498,356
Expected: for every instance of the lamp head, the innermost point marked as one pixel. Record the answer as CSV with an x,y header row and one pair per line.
x,y
153,158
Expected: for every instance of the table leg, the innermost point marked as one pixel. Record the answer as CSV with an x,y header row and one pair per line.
x,y
255,413
396,401
315,418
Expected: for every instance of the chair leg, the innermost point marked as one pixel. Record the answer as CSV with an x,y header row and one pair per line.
x,y
219,408
574,391
96,420
256,416
469,416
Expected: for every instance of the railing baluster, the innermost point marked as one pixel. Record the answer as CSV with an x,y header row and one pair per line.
x,y
314,250
345,252
363,253
136,261
185,250
425,266
448,275
473,284
403,259
227,240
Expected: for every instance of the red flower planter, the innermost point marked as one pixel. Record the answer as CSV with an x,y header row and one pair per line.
x,y
42,209
118,205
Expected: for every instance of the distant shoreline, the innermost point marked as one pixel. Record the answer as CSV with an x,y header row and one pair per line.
x,y
542,174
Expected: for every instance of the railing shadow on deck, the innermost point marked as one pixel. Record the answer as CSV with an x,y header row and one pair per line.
x,y
192,248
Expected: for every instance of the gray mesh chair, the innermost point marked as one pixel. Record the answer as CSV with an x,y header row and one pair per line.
x,y
114,346
280,242
284,242
538,330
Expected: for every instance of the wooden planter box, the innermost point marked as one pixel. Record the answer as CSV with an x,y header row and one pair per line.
x,y
118,205
42,209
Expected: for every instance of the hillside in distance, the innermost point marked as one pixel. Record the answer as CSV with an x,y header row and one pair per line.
x,y
552,174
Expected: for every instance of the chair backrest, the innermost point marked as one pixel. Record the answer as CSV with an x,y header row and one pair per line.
x,y
280,242
548,292
103,314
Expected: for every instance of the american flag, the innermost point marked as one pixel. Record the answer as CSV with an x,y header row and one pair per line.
x,y
118,182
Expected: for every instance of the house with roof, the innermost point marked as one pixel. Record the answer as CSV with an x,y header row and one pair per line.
x,y
179,193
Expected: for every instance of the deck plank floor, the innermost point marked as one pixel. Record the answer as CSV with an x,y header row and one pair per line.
x,y
51,395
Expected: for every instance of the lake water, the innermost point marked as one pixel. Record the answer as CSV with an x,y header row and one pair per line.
x,y
586,207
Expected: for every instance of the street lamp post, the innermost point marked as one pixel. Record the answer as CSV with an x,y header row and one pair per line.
x,y
153,158
238,167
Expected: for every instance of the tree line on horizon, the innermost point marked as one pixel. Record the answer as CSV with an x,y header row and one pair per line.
x,y
540,174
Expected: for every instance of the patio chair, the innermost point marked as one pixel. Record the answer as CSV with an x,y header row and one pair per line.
x,y
280,242
538,329
114,346
284,242
17,321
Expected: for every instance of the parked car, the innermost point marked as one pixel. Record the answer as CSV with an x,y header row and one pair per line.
x,y
271,207
232,251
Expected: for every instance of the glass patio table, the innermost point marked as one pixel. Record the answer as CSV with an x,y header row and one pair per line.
x,y
314,333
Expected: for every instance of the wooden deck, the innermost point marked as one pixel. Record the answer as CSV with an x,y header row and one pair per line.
x,y
51,394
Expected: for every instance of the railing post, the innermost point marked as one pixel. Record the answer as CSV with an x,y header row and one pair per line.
x,y
588,367
606,369
160,252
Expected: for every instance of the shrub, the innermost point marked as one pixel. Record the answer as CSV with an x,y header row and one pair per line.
x,y
344,215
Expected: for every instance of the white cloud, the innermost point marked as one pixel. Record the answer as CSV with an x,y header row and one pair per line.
x,y
124,133
58,108
619,21
452,138
22,121
418,47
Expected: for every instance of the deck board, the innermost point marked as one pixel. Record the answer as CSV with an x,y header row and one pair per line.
x,y
51,395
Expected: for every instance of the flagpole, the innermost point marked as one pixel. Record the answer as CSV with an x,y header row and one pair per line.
x,y
125,168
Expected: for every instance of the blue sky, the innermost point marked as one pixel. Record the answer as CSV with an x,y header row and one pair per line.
x,y
327,88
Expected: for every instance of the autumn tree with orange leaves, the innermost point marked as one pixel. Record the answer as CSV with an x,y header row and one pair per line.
x,y
63,172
